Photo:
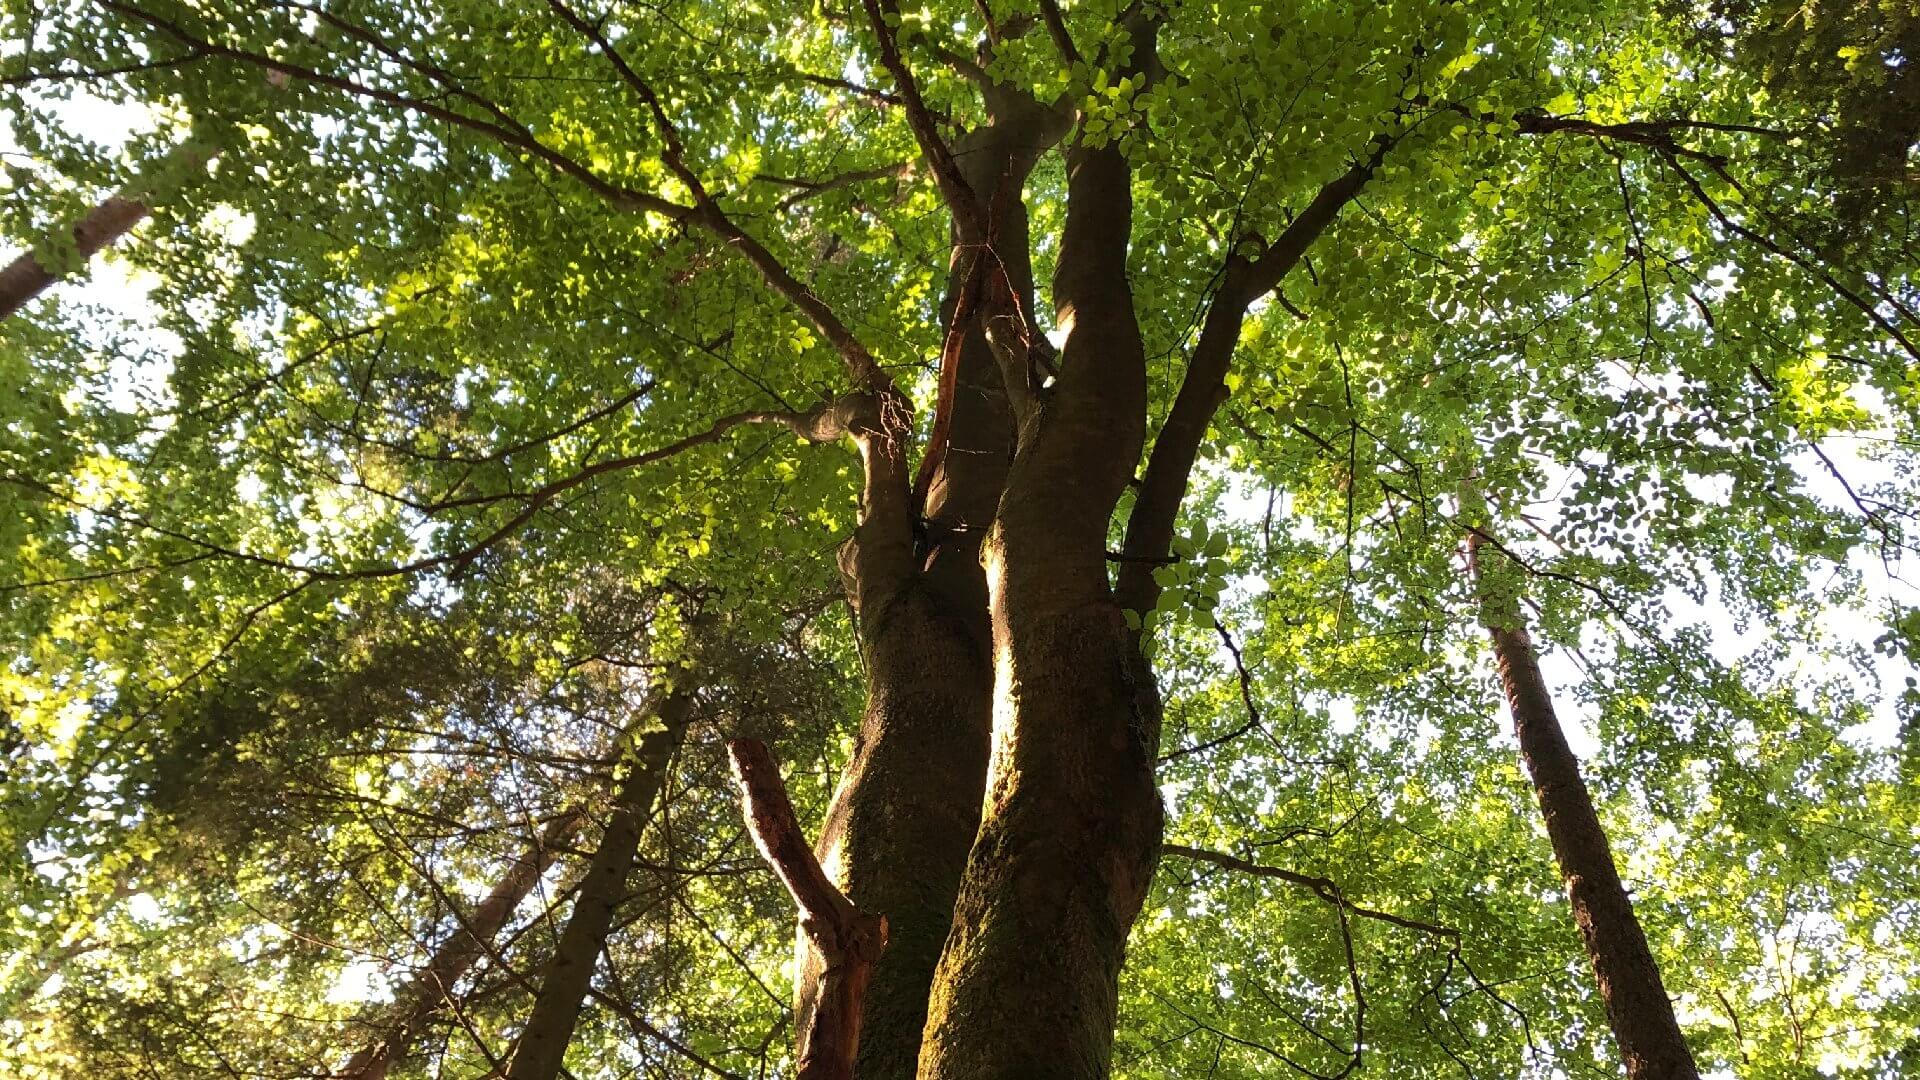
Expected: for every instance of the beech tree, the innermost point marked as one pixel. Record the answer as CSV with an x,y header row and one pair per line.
x,y
982,540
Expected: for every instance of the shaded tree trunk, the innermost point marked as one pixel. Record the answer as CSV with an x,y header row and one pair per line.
x,y
542,1045
1638,1009
418,1001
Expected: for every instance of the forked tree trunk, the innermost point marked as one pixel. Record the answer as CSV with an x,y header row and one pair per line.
x,y
896,836
542,1045
1638,1009
1069,837
417,1002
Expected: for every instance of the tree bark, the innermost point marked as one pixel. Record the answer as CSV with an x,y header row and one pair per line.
x,y
903,818
847,939
1638,1009
27,277
542,1045
418,1001
1028,984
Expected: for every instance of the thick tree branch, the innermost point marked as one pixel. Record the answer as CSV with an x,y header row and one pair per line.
x,y
849,939
27,277
1057,30
1655,133
1203,390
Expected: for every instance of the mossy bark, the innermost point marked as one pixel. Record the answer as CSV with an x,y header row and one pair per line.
x,y
1070,833
905,814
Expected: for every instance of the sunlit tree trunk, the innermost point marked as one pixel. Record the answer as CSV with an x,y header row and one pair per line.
x,y
27,276
1638,1009
1070,833
905,814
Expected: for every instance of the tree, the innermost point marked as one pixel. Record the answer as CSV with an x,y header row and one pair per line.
x,y
1638,1008
568,347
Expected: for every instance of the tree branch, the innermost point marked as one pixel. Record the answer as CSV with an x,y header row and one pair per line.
x,y
514,135
859,361
961,198
849,939
1324,888
808,189
1204,390
1057,30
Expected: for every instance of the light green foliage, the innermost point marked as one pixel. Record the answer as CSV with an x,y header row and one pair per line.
x,y
296,660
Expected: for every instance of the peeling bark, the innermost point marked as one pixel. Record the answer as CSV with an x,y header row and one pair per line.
x,y
1638,1009
847,939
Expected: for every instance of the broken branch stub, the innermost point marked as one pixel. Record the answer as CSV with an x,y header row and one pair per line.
x,y
850,940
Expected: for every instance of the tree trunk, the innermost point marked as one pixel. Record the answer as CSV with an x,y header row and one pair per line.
x,y
896,836
1028,983
417,1002
27,277
1638,1010
542,1046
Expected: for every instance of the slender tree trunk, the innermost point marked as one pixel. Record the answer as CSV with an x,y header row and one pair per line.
x,y
418,1001
542,1046
27,277
896,836
1638,1009
1070,834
